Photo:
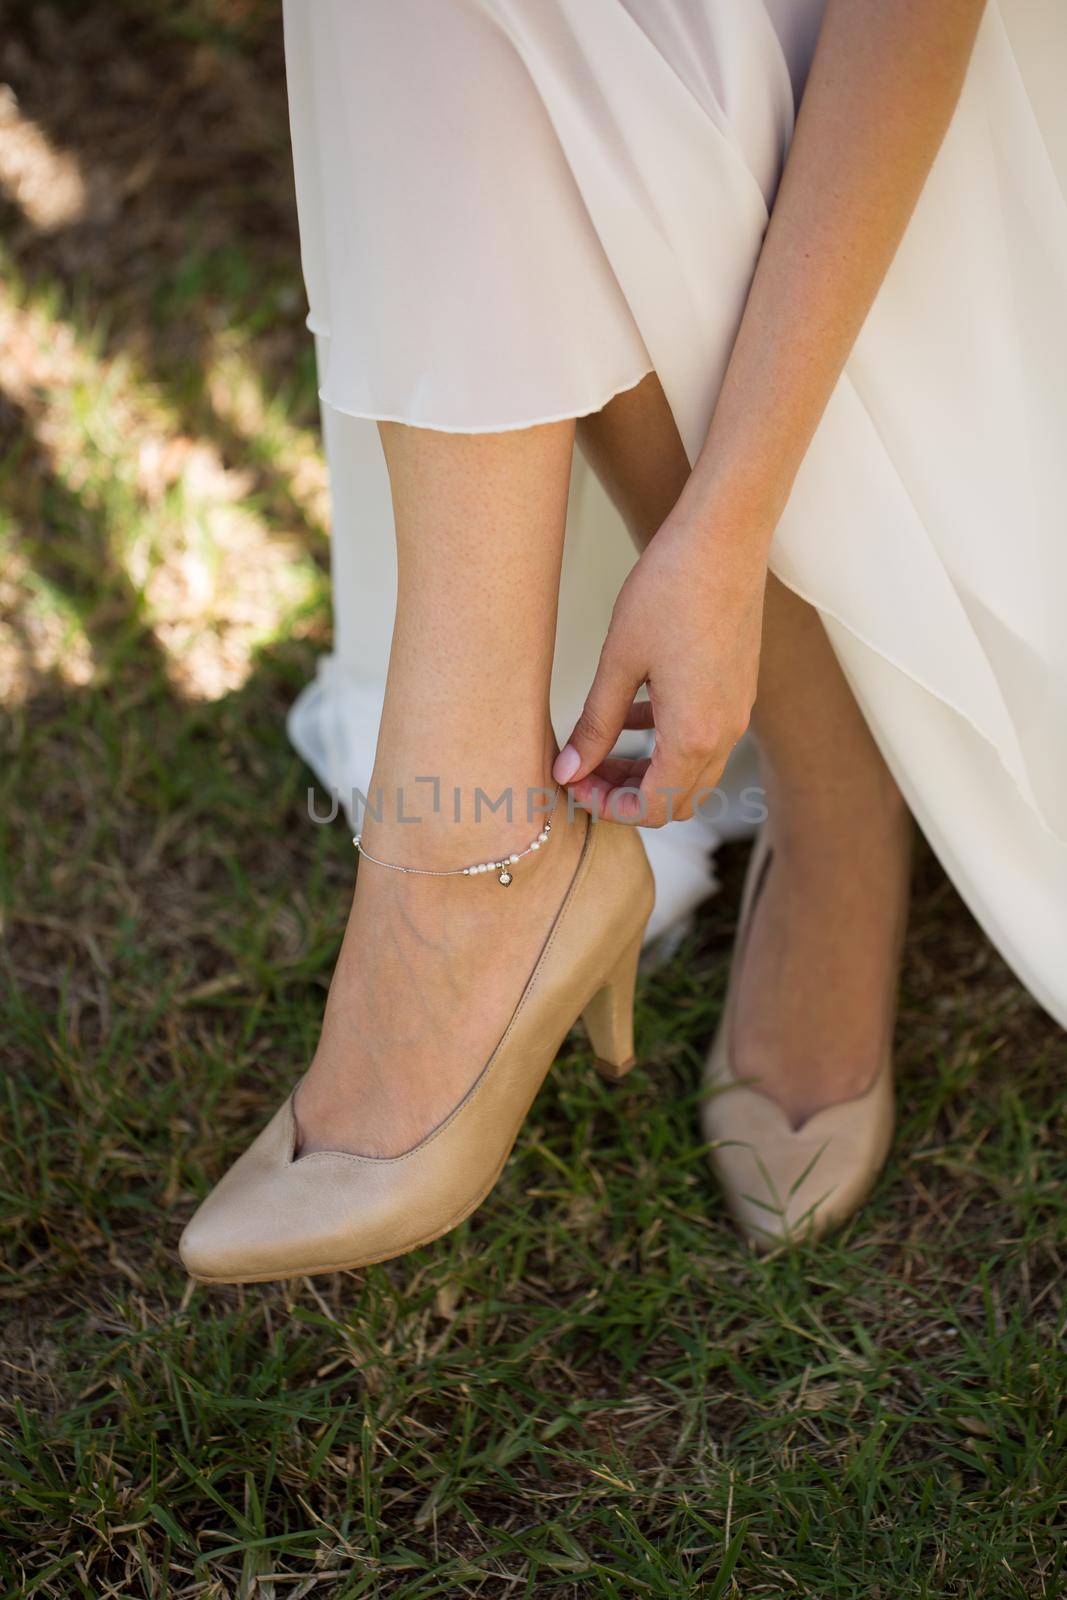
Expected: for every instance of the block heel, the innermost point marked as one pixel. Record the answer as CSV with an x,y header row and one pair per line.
x,y
609,1016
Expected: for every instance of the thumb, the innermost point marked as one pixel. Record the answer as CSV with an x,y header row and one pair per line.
x,y
602,720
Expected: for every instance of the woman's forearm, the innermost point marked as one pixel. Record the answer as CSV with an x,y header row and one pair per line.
x,y
882,88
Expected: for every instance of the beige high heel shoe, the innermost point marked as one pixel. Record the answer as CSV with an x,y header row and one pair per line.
x,y
783,1182
276,1215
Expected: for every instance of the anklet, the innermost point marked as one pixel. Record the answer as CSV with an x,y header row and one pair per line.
x,y
502,867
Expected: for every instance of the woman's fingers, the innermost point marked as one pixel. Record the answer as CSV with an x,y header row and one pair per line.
x,y
613,776
603,717
614,772
617,791
685,764
651,791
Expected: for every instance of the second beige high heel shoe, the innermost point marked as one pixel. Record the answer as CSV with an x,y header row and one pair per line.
x,y
276,1215
783,1182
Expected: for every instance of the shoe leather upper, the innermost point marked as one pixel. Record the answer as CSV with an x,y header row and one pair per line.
x,y
273,1216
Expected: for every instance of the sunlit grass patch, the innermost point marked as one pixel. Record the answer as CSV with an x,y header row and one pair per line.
x,y
104,475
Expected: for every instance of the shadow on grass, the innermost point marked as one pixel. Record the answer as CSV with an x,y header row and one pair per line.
x,y
182,228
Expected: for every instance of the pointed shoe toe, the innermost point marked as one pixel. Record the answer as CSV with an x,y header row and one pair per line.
x,y
233,1235
784,1184
276,1215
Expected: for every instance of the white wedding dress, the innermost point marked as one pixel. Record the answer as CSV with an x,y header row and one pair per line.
x,y
512,209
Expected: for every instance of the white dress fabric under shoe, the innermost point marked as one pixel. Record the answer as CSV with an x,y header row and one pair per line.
x,y
512,209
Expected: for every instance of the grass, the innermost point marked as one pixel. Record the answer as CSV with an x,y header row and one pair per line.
x,y
588,1389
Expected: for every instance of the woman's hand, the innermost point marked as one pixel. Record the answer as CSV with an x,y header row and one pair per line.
x,y
881,91
686,623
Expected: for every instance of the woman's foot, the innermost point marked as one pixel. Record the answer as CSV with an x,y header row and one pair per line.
x,y
428,977
817,983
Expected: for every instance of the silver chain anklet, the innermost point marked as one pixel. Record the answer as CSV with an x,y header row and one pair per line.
x,y
502,867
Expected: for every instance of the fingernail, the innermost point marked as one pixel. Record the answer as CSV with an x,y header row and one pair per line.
x,y
566,764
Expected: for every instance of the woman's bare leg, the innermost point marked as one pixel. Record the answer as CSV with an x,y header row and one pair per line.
x,y
430,969
820,970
